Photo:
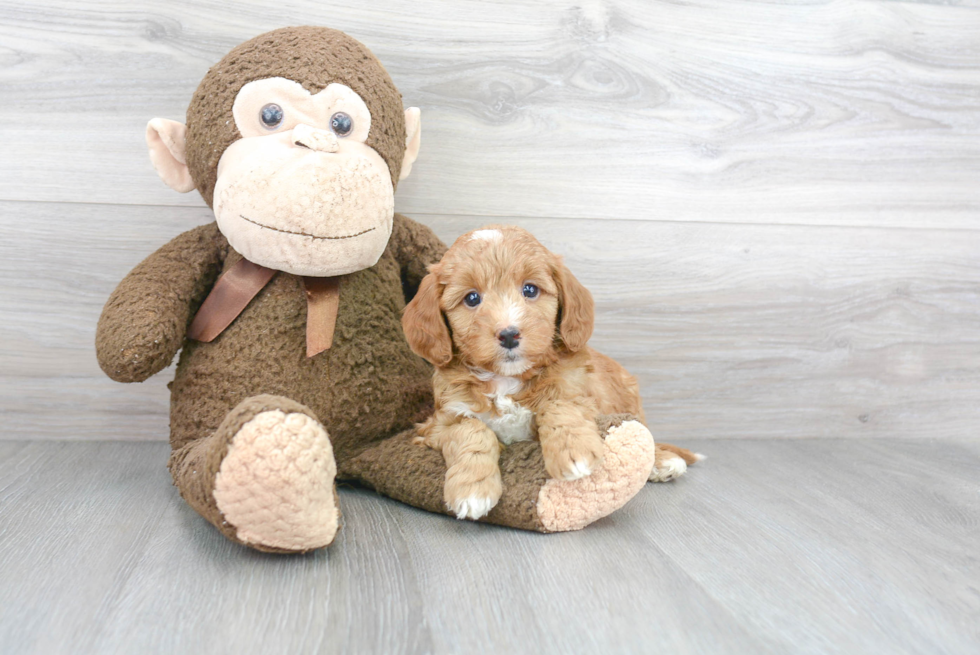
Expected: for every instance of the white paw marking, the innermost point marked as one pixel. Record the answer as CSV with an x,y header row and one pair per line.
x,y
672,467
473,508
580,469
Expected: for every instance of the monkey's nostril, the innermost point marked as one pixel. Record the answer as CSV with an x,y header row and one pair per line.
x,y
315,139
509,338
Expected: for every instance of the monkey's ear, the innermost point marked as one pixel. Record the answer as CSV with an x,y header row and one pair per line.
x,y
413,139
166,140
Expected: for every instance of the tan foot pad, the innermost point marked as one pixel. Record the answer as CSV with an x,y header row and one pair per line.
x,y
573,504
276,484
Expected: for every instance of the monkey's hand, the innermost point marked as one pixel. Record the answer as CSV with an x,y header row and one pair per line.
x,y
144,322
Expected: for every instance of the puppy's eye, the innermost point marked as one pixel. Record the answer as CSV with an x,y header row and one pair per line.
x,y
530,291
341,124
271,115
472,299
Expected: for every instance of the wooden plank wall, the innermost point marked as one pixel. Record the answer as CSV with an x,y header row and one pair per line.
x,y
775,203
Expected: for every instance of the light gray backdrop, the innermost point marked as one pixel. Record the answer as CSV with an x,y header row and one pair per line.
x,y
774,203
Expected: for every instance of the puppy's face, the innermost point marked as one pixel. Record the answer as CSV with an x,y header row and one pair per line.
x,y
508,303
501,300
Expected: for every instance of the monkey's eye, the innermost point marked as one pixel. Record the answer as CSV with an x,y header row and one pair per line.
x,y
341,124
530,291
472,299
271,115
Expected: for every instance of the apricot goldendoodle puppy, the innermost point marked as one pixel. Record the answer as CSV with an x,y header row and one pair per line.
x,y
506,325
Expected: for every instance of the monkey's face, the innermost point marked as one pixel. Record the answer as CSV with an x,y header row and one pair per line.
x,y
299,163
301,191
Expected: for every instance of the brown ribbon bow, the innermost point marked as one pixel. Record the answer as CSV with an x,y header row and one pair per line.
x,y
243,281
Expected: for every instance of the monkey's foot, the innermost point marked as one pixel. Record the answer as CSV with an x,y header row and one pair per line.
x,y
267,477
628,455
275,485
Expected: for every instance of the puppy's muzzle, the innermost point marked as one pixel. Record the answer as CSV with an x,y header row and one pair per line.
x,y
509,338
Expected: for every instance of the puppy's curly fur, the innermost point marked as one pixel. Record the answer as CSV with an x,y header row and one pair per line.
x,y
506,325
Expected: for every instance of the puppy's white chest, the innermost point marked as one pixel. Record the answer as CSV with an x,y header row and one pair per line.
x,y
510,421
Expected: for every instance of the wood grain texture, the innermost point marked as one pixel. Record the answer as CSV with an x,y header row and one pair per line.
x,y
733,330
805,546
843,112
678,119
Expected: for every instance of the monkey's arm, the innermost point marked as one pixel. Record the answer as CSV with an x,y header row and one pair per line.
x,y
415,247
144,322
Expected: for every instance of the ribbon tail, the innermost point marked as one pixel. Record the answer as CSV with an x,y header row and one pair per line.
x,y
322,303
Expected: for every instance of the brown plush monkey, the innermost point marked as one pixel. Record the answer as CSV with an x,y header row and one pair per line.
x,y
294,370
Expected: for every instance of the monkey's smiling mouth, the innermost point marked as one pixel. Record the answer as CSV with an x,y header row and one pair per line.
x,y
304,234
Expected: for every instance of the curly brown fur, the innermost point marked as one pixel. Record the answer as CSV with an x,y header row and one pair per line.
x,y
548,386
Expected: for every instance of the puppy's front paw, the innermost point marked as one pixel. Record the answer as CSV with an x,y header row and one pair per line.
x,y
472,499
574,454
473,508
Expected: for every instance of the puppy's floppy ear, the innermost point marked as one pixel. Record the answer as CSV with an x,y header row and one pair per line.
x,y
425,328
576,309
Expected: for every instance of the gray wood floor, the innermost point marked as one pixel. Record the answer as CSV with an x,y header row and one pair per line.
x,y
803,546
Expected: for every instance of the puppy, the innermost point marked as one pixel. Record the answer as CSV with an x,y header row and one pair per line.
x,y
506,325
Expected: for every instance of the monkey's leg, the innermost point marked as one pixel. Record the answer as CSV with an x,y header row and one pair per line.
x,y
531,499
264,478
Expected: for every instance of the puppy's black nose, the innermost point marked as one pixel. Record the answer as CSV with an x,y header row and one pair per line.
x,y
509,338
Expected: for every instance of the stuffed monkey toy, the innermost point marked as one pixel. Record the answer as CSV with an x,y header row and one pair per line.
x,y
294,371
